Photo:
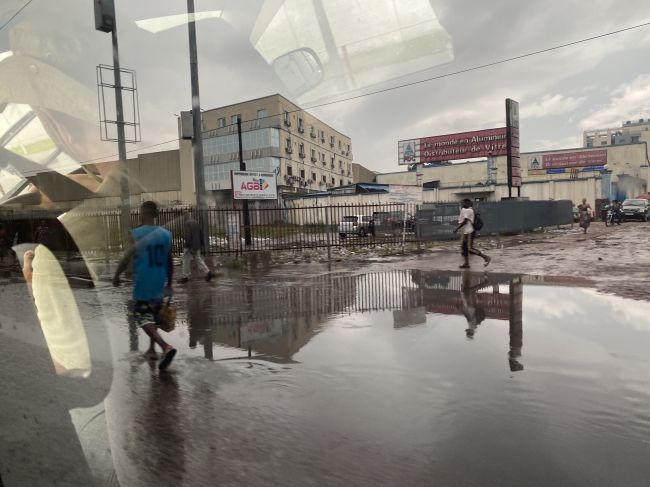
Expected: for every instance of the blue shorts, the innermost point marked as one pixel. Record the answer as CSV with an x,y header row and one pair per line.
x,y
147,312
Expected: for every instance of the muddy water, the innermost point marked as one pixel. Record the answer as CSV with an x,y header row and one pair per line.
x,y
388,378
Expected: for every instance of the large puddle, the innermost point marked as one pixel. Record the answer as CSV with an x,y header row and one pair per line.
x,y
386,378
412,378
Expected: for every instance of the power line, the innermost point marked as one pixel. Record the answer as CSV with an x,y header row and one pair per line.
x,y
16,14
482,66
426,80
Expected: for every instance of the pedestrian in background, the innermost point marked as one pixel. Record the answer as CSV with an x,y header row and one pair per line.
x,y
467,233
153,268
585,213
193,243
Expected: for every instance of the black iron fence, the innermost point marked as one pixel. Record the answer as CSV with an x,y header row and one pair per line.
x,y
287,228
280,228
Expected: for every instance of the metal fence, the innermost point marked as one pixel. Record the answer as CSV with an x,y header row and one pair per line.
x,y
287,228
280,228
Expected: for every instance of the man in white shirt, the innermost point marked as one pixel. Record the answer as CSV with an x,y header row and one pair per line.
x,y
467,232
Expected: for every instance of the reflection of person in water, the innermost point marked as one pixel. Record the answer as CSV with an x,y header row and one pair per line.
x,y
473,314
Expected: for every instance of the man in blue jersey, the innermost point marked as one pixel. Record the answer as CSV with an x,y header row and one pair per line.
x,y
153,269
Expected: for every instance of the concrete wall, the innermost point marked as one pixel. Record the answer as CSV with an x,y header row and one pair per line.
x,y
361,174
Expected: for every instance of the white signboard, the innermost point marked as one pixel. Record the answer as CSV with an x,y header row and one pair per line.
x,y
248,185
401,193
408,151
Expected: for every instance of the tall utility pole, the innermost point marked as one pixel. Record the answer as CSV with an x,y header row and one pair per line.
x,y
125,193
105,22
242,167
197,139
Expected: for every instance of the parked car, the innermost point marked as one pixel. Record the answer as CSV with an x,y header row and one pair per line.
x,y
636,209
359,225
392,222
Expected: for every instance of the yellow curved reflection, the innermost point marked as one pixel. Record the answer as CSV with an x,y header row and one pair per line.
x,y
59,315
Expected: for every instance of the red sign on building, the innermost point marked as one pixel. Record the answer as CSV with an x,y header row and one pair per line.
x,y
574,159
465,145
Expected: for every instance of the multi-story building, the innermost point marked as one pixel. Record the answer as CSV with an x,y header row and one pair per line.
x,y
630,132
277,136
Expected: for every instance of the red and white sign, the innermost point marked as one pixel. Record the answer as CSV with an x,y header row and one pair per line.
x,y
574,159
465,145
247,185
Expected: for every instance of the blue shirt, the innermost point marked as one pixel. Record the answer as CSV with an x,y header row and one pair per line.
x,y
150,262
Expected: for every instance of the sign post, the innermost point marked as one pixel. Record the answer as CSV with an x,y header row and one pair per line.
x,y
514,164
242,167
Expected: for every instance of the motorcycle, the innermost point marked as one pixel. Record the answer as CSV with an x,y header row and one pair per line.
x,y
613,217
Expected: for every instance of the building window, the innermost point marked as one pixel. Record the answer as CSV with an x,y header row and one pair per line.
x,y
340,182
313,176
332,140
221,122
348,151
635,139
287,120
340,164
289,171
333,181
325,179
322,136
604,142
302,150
340,145
301,126
233,119
302,173
313,155
312,133
288,145
262,113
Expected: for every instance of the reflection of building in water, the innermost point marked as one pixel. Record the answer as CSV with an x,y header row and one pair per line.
x,y
277,320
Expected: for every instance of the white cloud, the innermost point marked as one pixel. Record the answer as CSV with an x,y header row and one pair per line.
x,y
627,102
553,144
551,105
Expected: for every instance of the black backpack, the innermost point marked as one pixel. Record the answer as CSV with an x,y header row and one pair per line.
x,y
478,222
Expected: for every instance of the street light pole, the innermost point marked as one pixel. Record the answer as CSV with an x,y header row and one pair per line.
x,y
197,139
105,22
125,193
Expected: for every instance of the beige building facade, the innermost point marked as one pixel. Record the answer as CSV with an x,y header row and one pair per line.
x,y
306,154
624,173
630,132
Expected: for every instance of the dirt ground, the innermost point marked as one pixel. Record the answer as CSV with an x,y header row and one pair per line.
x,y
616,259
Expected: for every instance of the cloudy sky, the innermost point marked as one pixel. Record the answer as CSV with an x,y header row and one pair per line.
x,y
372,45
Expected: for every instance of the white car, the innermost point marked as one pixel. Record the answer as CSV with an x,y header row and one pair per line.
x,y
360,225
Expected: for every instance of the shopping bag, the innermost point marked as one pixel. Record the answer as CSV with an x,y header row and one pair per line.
x,y
167,316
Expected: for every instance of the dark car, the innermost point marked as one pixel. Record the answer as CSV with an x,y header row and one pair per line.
x,y
636,209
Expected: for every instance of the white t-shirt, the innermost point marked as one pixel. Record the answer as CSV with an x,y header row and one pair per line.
x,y
466,214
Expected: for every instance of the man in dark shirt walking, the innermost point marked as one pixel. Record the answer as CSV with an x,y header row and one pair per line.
x,y
193,238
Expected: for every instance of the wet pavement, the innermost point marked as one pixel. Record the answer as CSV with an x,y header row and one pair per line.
x,y
357,377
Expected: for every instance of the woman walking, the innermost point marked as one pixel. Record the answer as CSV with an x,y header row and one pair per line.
x,y
585,213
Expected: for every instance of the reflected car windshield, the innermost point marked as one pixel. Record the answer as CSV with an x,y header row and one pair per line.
x,y
634,203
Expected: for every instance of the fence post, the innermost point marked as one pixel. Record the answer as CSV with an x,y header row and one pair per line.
x,y
403,226
329,232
